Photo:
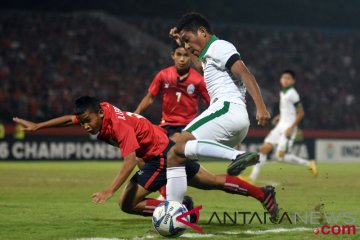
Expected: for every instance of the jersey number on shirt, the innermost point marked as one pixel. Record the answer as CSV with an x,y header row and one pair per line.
x,y
178,94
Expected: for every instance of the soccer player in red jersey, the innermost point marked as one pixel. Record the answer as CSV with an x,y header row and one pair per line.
x,y
181,88
137,137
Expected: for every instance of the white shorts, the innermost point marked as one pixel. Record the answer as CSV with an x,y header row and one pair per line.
x,y
224,122
277,137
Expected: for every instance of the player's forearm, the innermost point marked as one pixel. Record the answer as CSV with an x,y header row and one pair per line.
x,y
62,121
241,72
144,104
299,116
254,90
126,169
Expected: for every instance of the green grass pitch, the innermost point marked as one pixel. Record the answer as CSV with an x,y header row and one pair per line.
x,y
52,200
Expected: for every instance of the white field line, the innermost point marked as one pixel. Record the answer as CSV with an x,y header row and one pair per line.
x,y
250,232
100,238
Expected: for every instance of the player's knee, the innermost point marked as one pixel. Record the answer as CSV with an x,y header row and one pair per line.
x,y
179,149
173,159
175,137
265,148
181,143
280,155
125,207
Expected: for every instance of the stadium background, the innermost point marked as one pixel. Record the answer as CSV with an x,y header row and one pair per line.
x,y
51,52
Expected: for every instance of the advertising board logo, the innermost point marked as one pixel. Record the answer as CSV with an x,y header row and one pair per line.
x,y
330,151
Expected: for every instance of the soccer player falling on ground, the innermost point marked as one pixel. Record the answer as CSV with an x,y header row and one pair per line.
x,y
283,135
225,123
137,137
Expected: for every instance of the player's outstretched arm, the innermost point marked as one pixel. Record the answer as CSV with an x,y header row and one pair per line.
x,y
241,71
29,126
145,103
125,170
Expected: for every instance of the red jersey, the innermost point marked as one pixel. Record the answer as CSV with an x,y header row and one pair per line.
x,y
179,98
131,132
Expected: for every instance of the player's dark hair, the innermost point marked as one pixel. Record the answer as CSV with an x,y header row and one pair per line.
x,y
288,71
86,103
192,21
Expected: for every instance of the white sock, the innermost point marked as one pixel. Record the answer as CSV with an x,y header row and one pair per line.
x,y
291,158
209,149
176,184
256,169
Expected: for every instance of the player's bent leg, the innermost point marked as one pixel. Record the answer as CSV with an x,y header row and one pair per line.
x,y
174,160
310,164
212,150
234,185
231,184
133,200
176,175
149,179
175,136
162,191
182,140
207,181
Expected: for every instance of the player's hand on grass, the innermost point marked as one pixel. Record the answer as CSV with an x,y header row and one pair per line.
x,y
262,117
175,35
101,197
27,125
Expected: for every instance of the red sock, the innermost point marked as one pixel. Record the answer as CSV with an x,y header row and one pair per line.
x,y
237,186
150,206
163,191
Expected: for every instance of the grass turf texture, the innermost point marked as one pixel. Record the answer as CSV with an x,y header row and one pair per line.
x,y
52,200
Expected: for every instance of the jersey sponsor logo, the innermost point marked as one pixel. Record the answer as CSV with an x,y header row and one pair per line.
x,y
166,85
190,89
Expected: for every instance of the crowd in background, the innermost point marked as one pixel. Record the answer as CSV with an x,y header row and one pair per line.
x,y
48,60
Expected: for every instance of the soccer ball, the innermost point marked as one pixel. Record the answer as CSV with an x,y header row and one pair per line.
x,y
164,219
